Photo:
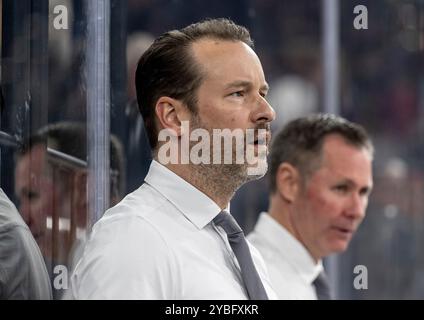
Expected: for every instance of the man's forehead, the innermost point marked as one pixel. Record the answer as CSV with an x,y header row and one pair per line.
x,y
34,159
36,152
210,45
349,163
336,147
228,61
209,51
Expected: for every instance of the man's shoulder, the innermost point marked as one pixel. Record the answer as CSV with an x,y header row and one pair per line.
x,y
22,265
15,236
121,225
138,207
136,220
124,244
139,223
142,202
9,215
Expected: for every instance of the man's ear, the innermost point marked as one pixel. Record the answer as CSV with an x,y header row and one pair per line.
x,y
170,113
288,181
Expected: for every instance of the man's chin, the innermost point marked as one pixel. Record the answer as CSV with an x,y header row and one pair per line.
x,y
257,170
339,247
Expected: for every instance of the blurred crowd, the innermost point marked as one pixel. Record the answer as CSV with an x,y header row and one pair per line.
x,y
382,88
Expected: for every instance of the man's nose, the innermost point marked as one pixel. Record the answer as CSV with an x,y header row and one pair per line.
x,y
357,206
263,113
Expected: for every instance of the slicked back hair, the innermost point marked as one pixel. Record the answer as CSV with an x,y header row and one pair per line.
x,y
168,67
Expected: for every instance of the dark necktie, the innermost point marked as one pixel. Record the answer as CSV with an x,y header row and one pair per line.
x,y
322,287
238,243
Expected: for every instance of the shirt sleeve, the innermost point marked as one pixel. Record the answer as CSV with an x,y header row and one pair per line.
x,y
126,259
23,274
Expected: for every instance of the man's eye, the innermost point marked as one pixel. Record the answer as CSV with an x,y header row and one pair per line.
x,y
237,94
365,192
31,195
341,188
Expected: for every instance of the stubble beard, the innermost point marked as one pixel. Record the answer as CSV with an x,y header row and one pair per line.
x,y
222,179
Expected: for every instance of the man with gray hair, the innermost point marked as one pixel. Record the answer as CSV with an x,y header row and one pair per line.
x,y
320,180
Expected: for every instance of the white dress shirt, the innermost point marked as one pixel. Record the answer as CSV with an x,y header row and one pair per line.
x,y
291,268
159,243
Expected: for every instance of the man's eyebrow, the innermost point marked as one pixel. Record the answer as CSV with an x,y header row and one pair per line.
x,y
351,182
245,84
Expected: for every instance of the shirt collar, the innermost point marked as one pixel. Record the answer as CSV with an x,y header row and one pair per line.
x,y
287,246
194,204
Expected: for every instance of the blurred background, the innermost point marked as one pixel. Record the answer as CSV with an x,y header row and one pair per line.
x,y
73,142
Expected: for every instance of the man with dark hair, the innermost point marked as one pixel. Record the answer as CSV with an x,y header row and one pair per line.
x,y
51,186
174,238
320,178
170,68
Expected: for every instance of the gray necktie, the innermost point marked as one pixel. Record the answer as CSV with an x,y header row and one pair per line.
x,y
252,281
322,287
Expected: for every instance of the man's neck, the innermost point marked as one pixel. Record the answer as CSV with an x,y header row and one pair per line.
x,y
206,180
280,211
